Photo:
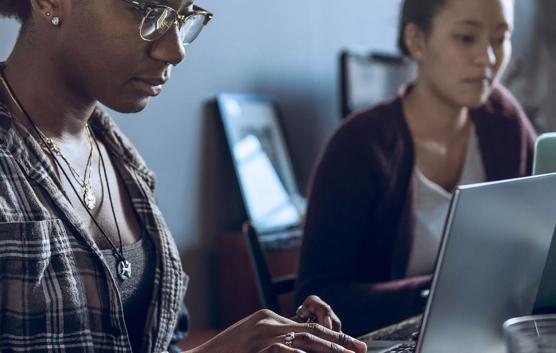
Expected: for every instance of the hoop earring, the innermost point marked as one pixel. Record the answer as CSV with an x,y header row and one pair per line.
x,y
55,21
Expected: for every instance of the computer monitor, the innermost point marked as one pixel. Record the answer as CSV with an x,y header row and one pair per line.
x,y
369,78
261,161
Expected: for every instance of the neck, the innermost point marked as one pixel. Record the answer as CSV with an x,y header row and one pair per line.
x,y
55,107
431,116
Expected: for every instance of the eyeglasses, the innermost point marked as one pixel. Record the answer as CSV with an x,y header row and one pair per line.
x,y
158,19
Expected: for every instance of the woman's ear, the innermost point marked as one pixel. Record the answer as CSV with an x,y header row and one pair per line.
x,y
414,39
50,10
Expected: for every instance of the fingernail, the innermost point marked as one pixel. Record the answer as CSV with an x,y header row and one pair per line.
x,y
328,322
360,345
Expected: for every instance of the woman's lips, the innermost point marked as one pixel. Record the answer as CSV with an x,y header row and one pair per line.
x,y
479,81
150,87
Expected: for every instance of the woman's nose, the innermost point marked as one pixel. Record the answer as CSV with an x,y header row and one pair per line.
x,y
487,56
169,48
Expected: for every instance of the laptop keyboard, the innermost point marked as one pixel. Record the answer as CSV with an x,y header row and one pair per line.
x,y
407,330
402,348
404,333
384,340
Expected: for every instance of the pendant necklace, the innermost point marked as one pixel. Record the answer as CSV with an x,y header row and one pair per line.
x,y
123,266
85,183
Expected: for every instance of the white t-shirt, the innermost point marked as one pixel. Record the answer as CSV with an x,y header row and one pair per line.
x,y
431,208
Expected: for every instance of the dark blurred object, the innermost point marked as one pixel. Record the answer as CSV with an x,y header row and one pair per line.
x,y
181,331
238,278
269,288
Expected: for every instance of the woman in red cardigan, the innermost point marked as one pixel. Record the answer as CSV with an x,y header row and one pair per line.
x,y
381,190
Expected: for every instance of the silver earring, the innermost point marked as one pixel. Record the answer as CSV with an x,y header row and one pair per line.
x,y
56,21
47,14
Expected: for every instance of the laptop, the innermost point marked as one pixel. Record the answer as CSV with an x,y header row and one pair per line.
x,y
495,244
545,154
262,166
545,162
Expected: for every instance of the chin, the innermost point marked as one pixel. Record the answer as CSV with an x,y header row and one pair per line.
x,y
128,106
471,98
477,101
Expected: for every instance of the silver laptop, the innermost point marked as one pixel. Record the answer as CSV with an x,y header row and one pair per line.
x,y
489,267
545,154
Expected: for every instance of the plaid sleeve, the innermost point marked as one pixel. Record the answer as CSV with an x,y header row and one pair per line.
x,y
181,329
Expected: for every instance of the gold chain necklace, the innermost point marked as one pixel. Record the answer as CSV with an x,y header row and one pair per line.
x,y
123,266
85,183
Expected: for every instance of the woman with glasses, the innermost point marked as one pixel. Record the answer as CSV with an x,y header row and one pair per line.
x,y
87,263
381,190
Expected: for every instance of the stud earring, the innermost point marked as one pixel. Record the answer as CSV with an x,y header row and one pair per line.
x,y
47,14
56,21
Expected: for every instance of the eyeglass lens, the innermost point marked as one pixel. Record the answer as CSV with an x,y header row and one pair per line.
x,y
192,26
157,21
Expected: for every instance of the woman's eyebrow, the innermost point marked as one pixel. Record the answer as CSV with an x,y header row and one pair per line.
x,y
471,23
478,24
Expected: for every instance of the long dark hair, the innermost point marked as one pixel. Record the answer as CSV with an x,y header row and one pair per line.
x,y
18,9
419,12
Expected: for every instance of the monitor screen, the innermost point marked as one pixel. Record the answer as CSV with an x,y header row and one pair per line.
x,y
261,161
368,79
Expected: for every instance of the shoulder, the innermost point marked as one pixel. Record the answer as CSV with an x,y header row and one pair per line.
x,y
379,129
503,109
13,185
502,103
6,126
5,113
375,141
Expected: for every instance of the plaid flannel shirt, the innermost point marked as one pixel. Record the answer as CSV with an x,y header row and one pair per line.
x,y
56,291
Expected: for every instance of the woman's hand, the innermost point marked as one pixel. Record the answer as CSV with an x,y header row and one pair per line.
x,y
314,309
267,332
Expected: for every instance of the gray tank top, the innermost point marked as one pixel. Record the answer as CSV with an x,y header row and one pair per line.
x,y
135,292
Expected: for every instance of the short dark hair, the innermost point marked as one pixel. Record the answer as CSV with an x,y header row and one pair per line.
x,y
420,13
18,9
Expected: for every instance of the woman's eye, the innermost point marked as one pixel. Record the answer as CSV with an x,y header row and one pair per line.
x,y
464,38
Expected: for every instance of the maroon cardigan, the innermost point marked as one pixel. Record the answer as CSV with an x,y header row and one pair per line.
x,y
360,218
